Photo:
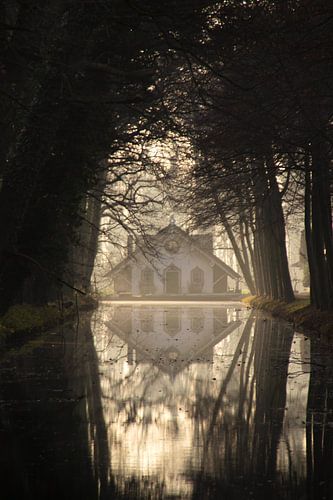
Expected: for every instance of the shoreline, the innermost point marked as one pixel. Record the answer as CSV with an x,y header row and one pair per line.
x,y
300,313
23,321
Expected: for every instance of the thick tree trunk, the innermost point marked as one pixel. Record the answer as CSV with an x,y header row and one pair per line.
x,y
284,286
86,250
314,275
321,245
262,265
18,189
28,186
272,267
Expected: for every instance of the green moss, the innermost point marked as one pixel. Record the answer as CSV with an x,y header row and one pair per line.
x,y
105,292
297,305
25,317
28,318
248,299
299,312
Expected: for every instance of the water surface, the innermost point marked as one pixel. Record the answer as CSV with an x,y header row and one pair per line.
x,y
165,401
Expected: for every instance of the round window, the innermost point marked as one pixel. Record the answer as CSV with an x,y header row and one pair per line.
x,y
172,246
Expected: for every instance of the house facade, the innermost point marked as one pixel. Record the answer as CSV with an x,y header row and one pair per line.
x,y
173,263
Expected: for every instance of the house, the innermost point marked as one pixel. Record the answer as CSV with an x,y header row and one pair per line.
x,y
173,263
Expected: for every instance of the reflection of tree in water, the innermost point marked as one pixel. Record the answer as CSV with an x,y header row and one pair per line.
x,y
143,395
54,441
242,438
238,422
51,388
319,430
96,423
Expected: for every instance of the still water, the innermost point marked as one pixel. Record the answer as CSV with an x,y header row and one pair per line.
x,y
167,401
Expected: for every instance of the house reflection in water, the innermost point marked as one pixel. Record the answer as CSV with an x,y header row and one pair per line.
x,y
171,336
197,396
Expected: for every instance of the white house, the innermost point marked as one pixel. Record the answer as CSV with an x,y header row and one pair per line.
x,y
173,263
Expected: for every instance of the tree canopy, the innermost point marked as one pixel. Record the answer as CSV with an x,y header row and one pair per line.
x,y
247,86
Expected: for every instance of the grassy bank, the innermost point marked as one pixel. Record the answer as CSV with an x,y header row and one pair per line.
x,y
299,312
24,319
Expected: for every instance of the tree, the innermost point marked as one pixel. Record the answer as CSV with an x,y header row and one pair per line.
x,y
256,92
90,95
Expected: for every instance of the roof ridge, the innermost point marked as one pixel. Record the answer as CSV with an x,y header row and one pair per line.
x,y
209,253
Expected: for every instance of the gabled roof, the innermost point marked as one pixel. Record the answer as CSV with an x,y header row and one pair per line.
x,y
195,240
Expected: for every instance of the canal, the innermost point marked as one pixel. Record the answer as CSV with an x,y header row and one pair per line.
x,y
167,401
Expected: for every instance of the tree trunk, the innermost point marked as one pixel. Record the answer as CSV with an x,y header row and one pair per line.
x,y
26,186
272,268
86,250
314,275
321,228
245,268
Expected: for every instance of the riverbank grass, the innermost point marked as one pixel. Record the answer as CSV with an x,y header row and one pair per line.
x,y
299,312
27,318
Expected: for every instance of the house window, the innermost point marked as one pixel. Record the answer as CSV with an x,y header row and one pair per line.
x,y
172,246
197,280
147,281
172,280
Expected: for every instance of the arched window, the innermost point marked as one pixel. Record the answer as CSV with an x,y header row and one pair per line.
x,y
197,275
197,280
172,277
147,281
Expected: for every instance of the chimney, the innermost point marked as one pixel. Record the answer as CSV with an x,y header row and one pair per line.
x,y
130,245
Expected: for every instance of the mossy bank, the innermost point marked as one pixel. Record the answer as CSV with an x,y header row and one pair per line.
x,y
300,313
23,319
